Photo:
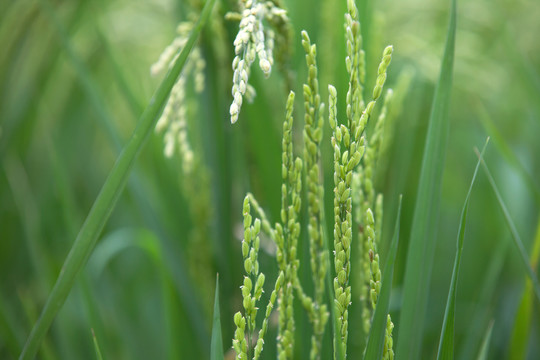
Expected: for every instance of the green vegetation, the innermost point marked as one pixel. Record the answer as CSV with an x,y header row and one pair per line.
x,y
332,225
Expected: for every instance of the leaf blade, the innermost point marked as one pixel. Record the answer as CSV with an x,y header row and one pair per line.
x,y
421,249
96,346
504,148
107,198
484,350
216,343
446,342
520,334
515,235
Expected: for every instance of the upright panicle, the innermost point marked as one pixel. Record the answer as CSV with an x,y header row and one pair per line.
x,y
343,166
369,204
252,290
313,132
349,143
352,185
287,234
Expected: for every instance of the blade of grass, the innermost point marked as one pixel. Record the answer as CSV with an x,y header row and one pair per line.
x,y
484,350
519,339
446,342
30,309
108,196
180,285
507,153
92,310
375,342
219,142
522,324
485,302
113,246
96,346
422,243
515,236
216,346
118,73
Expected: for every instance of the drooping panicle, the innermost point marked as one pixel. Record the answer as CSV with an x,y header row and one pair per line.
x,y
173,121
253,40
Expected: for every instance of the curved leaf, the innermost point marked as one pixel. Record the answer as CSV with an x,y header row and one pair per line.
x,y
109,194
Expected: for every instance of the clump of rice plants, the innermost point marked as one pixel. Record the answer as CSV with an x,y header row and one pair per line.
x,y
349,144
283,184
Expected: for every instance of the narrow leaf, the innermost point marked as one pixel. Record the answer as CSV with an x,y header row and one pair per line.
x,y
483,354
216,345
504,149
96,346
515,236
519,339
446,342
375,344
109,194
522,323
422,240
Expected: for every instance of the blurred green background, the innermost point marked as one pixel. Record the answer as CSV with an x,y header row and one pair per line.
x,y
74,78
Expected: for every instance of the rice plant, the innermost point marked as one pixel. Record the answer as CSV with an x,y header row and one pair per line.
x,y
256,179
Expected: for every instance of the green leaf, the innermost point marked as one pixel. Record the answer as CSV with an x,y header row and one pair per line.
x,y
515,236
446,342
375,344
519,339
108,196
504,149
522,324
216,345
483,354
115,244
422,241
96,346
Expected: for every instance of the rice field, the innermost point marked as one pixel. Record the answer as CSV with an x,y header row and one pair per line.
x,y
327,163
